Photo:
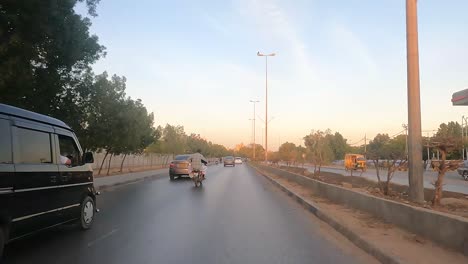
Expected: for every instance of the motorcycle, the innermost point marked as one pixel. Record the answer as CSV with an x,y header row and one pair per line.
x,y
197,178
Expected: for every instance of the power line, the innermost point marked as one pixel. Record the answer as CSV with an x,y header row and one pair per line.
x,y
362,139
399,133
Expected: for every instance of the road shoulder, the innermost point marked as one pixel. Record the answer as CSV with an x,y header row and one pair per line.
x,y
105,183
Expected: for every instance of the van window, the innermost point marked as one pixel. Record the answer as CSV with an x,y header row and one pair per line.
x,y
69,153
5,142
33,146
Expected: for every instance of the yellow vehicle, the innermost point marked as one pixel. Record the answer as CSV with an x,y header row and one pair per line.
x,y
355,162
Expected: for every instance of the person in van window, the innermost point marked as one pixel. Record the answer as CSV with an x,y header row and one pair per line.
x,y
65,160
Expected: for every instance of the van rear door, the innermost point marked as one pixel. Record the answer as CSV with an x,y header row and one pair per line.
x,y
36,179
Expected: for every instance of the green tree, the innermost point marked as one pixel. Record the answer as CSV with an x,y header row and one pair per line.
x,y
259,152
218,150
45,52
388,153
450,133
101,125
288,152
338,145
155,146
196,143
245,151
173,140
448,142
301,154
356,149
103,130
274,157
318,148
137,130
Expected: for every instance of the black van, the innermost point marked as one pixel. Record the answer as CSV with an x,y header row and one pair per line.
x,y
45,179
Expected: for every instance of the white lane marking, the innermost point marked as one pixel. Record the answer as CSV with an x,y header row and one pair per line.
x,y
90,244
46,212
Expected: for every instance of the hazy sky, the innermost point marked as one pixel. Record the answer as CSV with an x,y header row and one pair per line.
x,y
339,64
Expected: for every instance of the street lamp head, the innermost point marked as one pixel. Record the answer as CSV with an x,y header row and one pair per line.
x,y
261,55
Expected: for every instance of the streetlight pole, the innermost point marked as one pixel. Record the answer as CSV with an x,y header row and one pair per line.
x,y
462,134
416,187
251,132
254,146
405,126
464,127
266,100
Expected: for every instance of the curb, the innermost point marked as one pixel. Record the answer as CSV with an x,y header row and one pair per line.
x,y
355,238
104,188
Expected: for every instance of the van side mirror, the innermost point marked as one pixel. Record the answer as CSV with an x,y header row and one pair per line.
x,y
88,157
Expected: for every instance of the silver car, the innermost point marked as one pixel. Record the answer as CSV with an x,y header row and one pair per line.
x,y
180,166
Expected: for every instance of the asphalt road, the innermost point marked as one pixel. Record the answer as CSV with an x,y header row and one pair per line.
x,y
236,217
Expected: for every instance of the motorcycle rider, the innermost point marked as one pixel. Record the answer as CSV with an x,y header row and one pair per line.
x,y
199,163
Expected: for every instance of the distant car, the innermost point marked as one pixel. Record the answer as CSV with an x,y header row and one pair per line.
x,y
229,161
180,166
463,170
238,160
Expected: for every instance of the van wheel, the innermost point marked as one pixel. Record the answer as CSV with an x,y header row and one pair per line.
x,y
465,175
87,213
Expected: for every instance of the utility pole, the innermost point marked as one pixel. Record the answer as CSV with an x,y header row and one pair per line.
x,y
465,149
254,146
365,146
416,187
266,100
428,143
464,128
279,141
251,132
405,126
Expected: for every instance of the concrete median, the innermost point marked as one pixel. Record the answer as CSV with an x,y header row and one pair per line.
x,y
447,230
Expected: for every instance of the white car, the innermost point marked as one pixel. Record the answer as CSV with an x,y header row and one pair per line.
x,y
238,160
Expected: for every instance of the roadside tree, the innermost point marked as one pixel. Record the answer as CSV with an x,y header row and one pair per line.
x,y
388,154
319,150
338,145
45,58
288,153
445,146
